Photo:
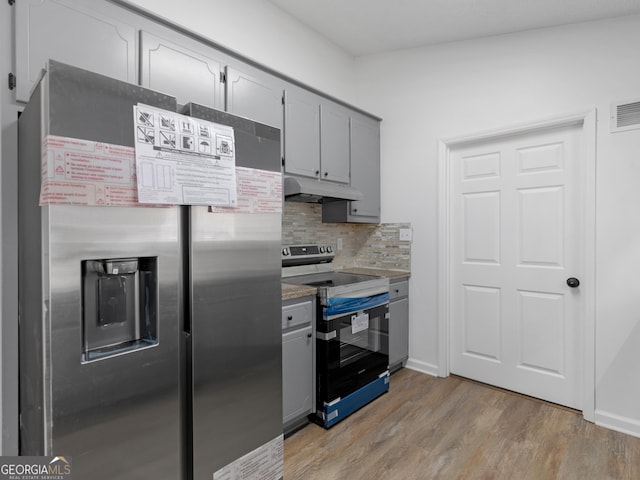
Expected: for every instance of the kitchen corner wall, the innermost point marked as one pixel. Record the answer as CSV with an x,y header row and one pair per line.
x,y
363,245
426,95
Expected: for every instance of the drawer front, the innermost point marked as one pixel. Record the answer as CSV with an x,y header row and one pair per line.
x,y
297,314
398,290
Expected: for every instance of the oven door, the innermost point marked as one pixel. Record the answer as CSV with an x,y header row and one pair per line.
x,y
352,347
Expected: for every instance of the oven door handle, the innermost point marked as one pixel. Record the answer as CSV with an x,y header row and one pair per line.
x,y
341,305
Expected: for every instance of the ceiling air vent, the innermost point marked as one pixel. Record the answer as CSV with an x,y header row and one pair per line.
x,y
625,116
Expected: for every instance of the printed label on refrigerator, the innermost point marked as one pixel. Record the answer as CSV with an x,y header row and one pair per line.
x,y
259,191
264,463
84,172
183,160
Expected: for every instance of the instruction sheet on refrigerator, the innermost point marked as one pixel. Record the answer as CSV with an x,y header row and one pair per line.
x,y
183,160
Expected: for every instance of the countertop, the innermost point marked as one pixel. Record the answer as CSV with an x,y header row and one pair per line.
x,y
390,274
291,291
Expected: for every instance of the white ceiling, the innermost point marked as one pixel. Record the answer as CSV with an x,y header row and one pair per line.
x,y
364,27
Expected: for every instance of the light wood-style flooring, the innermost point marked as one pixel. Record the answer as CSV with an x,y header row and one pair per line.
x,y
453,428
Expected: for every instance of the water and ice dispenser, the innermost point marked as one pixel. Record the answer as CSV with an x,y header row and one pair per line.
x,y
119,306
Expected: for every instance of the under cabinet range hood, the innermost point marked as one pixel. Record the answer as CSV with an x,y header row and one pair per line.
x,y
308,190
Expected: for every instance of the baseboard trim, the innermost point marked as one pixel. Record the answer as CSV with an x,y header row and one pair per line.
x,y
618,423
422,367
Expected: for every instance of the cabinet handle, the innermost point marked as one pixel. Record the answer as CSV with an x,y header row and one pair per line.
x,y
290,317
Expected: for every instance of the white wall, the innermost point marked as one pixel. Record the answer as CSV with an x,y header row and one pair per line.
x,y
262,32
455,89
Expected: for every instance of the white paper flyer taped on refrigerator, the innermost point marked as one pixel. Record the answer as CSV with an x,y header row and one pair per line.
x,y
183,160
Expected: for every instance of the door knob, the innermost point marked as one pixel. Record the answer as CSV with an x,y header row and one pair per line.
x,y
573,282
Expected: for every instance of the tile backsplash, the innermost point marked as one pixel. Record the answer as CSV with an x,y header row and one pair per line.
x,y
363,245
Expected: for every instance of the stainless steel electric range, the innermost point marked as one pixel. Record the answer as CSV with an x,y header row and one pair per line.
x,y
352,331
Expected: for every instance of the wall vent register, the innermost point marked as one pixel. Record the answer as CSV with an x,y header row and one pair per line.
x,y
625,116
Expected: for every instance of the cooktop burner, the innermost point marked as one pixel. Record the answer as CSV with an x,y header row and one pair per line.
x,y
311,265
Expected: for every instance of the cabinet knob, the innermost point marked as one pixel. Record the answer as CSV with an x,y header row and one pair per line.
x,y
317,172
397,290
355,210
326,174
290,317
309,335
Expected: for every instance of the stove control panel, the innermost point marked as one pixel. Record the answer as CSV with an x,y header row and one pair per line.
x,y
306,254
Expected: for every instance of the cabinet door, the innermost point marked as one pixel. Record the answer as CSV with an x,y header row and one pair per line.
x,y
297,373
255,95
86,34
301,133
365,165
183,69
334,142
398,331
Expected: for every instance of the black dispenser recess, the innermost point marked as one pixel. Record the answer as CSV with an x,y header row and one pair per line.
x,y
119,306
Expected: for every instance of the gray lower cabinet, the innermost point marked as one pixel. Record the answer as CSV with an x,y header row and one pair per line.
x,y
398,324
298,362
90,34
183,68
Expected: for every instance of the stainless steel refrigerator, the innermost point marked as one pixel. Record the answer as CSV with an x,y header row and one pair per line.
x,y
150,341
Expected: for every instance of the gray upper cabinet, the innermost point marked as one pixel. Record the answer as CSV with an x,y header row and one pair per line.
x,y
365,174
184,69
365,166
254,94
323,139
334,142
301,132
316,142
88,34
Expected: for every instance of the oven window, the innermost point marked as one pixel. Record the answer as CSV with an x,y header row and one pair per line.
x,y
360,335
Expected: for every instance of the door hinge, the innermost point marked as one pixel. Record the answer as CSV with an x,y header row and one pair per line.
x,y
223,77
283,99
12,81
283,161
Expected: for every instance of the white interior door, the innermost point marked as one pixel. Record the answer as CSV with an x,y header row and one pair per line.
x,y
517,228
